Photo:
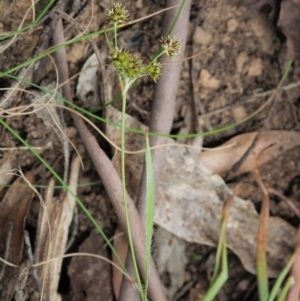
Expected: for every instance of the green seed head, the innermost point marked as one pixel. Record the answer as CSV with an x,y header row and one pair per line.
x,y
126,63
171,46
117,13
154,70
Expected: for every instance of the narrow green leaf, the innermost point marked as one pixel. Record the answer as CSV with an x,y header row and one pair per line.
x,y
290,281
218,280
276,287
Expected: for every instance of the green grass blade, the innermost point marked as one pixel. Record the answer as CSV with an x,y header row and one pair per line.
x,y
177,17
262,276
219,281
290,281
219,249
280,279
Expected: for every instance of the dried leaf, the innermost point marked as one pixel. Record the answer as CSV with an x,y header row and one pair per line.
x,y
189,204
170,258
91,277
222,159
88,83
6,163
289,24
14,209
55,218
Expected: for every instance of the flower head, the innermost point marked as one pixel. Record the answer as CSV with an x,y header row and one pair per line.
x,y
117,13
125,62
154,70
171,46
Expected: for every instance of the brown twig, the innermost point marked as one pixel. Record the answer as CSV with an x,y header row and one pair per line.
x,y
284,198
108,174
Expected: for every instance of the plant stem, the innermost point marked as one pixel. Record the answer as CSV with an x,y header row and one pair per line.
x,y
115,35
124,90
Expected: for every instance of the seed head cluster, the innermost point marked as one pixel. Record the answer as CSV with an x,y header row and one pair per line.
x,y
154,70
125,62
130,66
171,46
117,13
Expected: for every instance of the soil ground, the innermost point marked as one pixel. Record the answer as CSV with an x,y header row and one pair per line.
x,y
241,56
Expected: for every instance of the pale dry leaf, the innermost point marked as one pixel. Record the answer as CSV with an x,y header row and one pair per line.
x,y
167,250
91,277
6,163
14,209
88,83
54,221
270,144
189,204
190,199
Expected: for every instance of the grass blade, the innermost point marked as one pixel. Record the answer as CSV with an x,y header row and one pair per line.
x,y
280,279
290,281
261,251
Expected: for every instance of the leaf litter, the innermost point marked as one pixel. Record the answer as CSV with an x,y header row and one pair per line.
x,y
243,61
190,199
14,209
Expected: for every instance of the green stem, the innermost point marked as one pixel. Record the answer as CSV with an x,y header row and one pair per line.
x,y
124,94
290,281
280,278
115,35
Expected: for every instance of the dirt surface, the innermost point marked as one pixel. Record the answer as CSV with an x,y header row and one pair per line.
x,y
239,56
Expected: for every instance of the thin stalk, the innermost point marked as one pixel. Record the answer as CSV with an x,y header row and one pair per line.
x,y
115,35
218,281
221,278
219,249
124,90
262,236
290,281
280,279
